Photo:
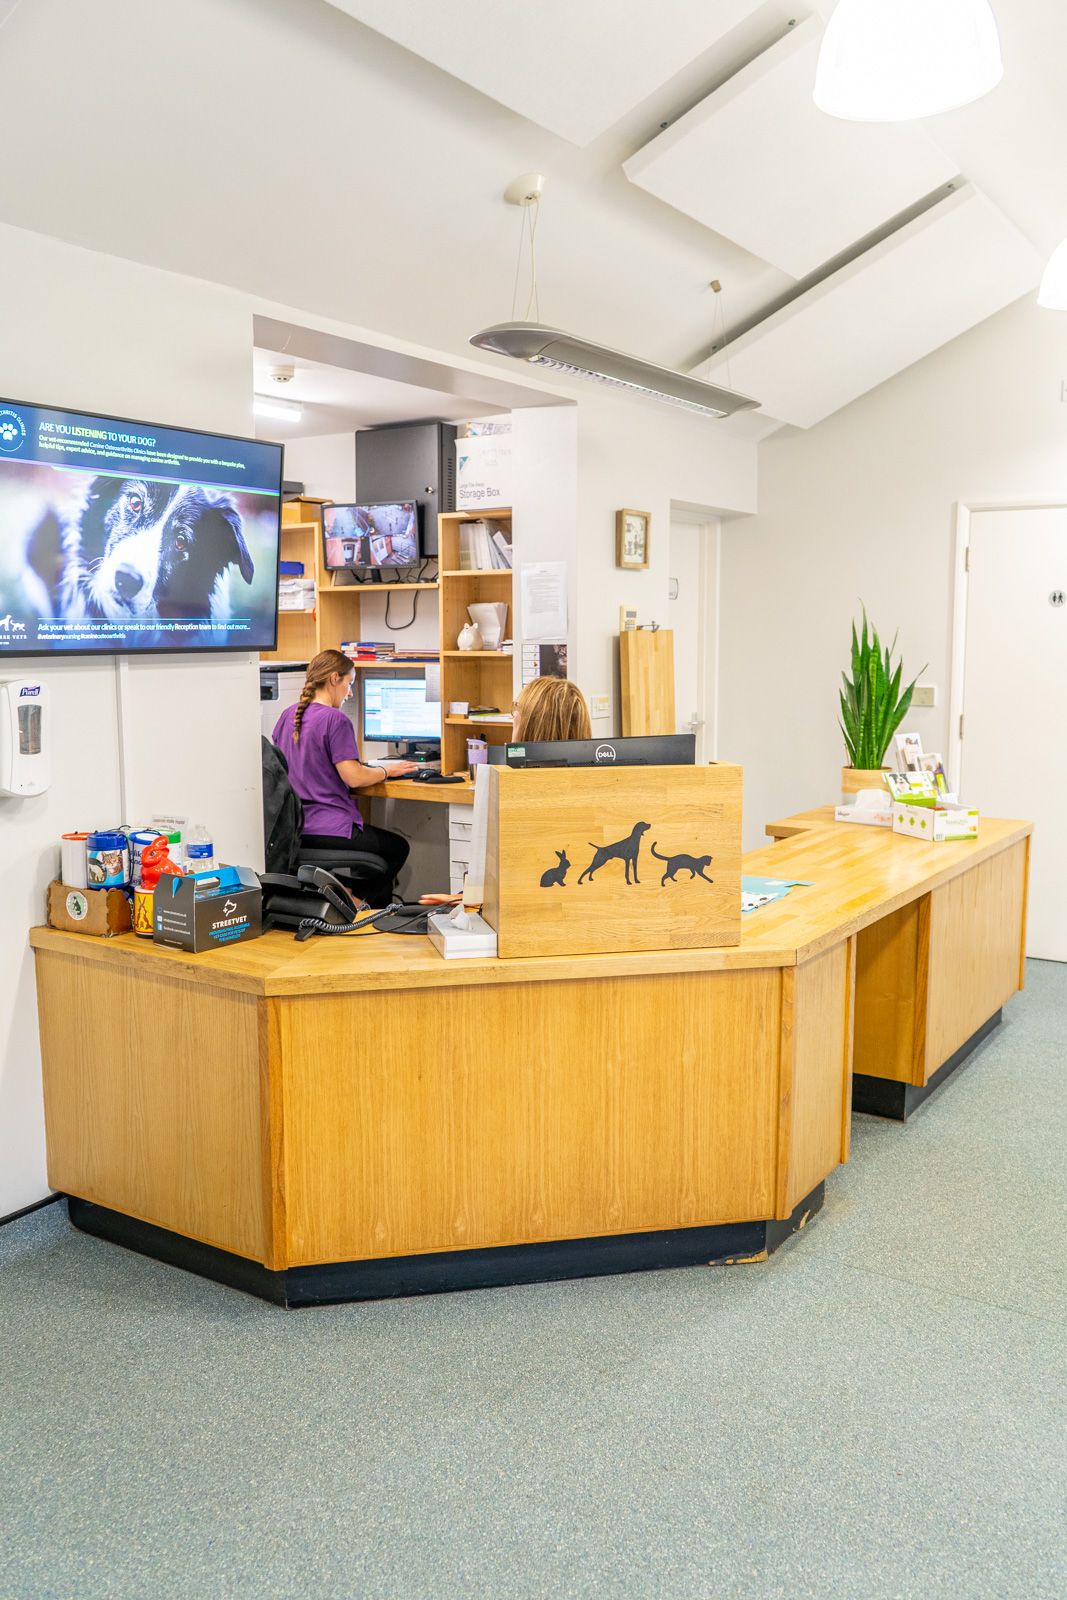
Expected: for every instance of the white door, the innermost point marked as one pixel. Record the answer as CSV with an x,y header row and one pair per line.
x,y
1014,756
692,616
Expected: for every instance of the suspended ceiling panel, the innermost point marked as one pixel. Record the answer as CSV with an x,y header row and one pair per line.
x,y
938,276
761,165
572,66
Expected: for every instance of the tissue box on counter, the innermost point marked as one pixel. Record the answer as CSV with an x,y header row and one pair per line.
x,y
870,806
935,824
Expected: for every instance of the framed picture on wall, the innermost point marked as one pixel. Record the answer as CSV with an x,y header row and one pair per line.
x,y
631,538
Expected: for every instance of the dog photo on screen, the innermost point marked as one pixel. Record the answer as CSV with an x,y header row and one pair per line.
x,y
135,550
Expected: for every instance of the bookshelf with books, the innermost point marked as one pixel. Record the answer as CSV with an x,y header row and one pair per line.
x,y
478,678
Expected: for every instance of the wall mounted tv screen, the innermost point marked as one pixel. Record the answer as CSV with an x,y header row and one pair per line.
x,y
118,537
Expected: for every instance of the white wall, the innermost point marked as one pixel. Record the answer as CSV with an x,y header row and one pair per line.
x,y
862,508
325,465
646,458
105,335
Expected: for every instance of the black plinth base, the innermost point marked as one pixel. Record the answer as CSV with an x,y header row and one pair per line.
x,y
441,1273
884,1097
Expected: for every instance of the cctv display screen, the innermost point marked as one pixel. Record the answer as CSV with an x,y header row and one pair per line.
x,y
385,535
118,537
397,708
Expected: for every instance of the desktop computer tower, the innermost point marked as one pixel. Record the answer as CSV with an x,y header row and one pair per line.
x,y
409,461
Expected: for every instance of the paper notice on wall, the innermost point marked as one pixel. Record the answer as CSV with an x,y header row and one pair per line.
x,y
433,680
544,601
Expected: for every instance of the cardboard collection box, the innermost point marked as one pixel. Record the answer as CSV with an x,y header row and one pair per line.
x,y
935,824
102,912
209,910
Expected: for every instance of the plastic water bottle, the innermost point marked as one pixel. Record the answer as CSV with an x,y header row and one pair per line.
x,y
199,849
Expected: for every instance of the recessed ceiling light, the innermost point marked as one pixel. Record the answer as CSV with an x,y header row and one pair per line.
x,y
265,405
898,60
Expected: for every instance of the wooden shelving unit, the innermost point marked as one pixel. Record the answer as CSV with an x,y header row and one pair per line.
x,y
481,677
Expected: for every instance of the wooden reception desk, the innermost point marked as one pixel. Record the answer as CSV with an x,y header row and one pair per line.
x,y
351,1118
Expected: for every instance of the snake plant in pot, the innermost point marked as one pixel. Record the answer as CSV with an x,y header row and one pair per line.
x,y
872,708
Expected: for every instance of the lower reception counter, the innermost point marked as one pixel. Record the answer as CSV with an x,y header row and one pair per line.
x,y
351,1118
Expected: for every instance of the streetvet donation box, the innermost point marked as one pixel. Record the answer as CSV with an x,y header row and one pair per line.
x,y
583,860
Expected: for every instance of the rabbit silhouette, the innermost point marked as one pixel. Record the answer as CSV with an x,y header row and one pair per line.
x,y
558,874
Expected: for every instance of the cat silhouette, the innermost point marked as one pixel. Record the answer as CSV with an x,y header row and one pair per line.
x,y
558,874
694,865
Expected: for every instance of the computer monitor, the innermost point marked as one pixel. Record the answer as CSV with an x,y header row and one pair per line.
x,y
658,750
396,710
371,536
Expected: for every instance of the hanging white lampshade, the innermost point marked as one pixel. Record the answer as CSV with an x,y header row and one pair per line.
x,y
1053,291
897,60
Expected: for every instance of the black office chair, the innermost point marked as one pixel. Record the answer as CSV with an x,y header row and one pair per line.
x,y
363,872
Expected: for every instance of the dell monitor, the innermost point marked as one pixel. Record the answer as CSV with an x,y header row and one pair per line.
x,y
658,750
357,537
121,537
396,710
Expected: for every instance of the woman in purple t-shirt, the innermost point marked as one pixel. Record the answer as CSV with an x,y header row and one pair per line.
x,y
318,741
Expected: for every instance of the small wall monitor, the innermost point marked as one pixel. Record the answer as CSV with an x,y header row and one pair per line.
x,y
118,537
371,536
658,750
396,710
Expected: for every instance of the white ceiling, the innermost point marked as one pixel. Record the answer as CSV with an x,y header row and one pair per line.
x,y
338,400
574,67
761,163
288,149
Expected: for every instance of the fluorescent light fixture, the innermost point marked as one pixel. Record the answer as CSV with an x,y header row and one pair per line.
x,y
265,405
898,60
1053,291
561,352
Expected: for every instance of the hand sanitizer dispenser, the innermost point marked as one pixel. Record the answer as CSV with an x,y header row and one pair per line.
x,y
25,735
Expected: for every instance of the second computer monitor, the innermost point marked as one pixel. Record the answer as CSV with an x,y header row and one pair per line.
x,y
396,710
375,536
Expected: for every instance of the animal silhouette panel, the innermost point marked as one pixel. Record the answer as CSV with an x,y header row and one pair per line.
x,y
555,826
624,850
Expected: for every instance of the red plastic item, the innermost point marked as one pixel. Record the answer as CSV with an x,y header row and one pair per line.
x,y
155,860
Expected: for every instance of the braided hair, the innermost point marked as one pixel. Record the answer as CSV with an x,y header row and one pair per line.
x,y
320,671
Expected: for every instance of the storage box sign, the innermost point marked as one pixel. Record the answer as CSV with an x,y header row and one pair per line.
x,y
209,910
582,860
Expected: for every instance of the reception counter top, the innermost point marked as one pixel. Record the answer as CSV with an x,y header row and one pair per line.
x,y
858,876
354,1117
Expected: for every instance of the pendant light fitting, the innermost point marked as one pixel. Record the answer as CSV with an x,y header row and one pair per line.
x,y
899,60
542,346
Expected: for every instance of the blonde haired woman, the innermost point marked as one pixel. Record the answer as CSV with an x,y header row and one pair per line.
x,y
318,742
551,708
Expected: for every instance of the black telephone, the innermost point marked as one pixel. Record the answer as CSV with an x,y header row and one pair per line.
x,y
314,901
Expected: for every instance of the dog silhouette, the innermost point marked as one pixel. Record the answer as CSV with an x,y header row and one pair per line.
x,y
558,874
624,850
694,865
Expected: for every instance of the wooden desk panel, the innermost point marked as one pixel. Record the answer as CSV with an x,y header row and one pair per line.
x,y
600,1107
977,925
152,1104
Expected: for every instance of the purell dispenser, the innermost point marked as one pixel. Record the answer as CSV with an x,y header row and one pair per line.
x,y
25,768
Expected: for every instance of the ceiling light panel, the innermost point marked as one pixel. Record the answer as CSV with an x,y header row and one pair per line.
x,y
941,274
575,69
761,165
